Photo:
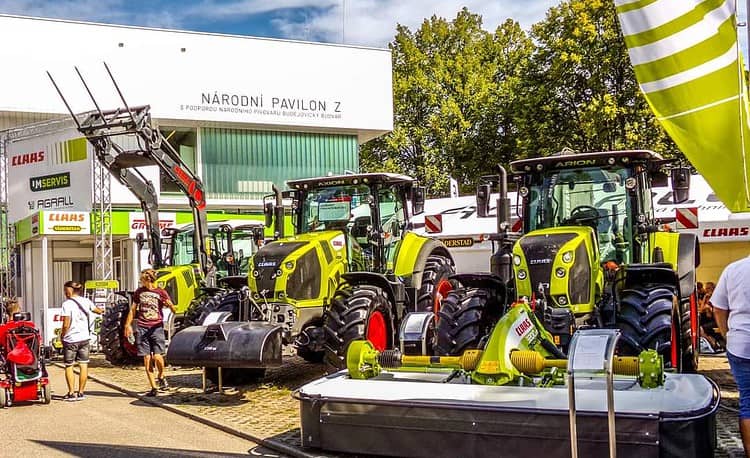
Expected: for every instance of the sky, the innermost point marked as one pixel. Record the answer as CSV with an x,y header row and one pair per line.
x,y
359,22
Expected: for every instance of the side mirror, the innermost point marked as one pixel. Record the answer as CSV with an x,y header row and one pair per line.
x,y
417,199
483,200
268,213
680,184
289,194
258,235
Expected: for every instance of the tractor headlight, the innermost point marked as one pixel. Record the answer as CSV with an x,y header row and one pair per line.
x,y
516,260
281,295
278,272
522,274
562,300
559,272
289,265
567,256
256,274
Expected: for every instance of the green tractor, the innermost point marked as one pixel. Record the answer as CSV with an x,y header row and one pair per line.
x,y
592,255
352,270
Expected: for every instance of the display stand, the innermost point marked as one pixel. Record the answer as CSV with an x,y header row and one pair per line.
x,y
591,354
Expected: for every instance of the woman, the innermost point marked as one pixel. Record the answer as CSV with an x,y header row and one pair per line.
x,y
707,320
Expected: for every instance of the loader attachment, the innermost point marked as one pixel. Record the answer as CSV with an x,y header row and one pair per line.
x,y
230,344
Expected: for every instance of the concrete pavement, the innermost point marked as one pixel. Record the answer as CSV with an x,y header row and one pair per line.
x,y
109,423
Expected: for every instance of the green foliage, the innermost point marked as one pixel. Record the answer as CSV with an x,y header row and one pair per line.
x,y
466,99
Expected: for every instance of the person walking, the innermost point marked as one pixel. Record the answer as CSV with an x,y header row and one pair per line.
x,y
148,302
76,336
731,307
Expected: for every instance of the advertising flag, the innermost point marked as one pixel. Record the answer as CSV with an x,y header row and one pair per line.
x,y
688,65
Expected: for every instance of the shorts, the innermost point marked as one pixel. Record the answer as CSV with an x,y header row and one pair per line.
x,y
741,372
75,351
150,340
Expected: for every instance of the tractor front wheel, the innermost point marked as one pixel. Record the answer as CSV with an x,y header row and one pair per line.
x,y
223,301
117,348
356,313
645,321
465,319
435,283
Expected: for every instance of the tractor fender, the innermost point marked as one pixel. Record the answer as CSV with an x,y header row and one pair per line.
x,y
412,257
394,290
486,281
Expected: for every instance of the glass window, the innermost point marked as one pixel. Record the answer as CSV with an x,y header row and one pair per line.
x,y
335,207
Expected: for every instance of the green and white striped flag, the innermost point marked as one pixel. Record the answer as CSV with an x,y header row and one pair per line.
x,y
688,64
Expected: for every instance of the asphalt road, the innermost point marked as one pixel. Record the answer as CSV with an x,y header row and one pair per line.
x,y
111,424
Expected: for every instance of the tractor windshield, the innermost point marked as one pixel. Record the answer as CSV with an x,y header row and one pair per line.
x,y
335,207
592,196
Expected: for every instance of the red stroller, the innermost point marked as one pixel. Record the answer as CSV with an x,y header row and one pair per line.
x,y
23,376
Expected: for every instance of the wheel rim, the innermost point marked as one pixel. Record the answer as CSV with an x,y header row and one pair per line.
x,y
443,288
376,331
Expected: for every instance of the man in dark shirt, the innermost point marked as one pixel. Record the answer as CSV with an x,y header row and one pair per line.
x,y
148,302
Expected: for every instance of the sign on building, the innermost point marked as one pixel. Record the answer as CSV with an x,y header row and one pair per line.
x,y
50,172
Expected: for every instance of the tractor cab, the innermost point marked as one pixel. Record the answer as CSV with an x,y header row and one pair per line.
x,y
609,192
369,209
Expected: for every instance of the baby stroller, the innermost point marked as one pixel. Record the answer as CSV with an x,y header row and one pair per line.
x,y
23,376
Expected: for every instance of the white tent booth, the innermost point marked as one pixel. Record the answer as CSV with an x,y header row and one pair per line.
x,y
724,237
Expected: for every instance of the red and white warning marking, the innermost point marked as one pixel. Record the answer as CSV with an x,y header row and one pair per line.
x,y
433,223
687,218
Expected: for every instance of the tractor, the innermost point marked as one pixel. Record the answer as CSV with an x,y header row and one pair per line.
x,y
352,270
591,255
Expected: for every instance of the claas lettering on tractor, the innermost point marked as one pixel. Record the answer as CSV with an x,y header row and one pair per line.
x,y
591,255
183,278
352,270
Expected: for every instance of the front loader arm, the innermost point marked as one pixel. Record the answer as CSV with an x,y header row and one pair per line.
x,y
101,126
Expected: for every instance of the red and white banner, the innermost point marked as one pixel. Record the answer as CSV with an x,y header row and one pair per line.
x,y
433,223
137,222
686,218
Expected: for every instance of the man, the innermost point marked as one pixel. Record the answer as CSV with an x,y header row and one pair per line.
x,y
731,302
148,302
76,336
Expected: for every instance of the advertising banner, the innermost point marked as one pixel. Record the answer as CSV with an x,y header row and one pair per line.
x,y
137,223
67,223
50,172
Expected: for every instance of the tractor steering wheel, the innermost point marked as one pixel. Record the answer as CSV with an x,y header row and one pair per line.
x,y
582,214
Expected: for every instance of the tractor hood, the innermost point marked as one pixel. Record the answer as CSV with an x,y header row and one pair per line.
x,y
291,268
558,262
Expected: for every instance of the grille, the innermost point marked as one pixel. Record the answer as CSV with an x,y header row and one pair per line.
x,y
304,282
540,252
268,260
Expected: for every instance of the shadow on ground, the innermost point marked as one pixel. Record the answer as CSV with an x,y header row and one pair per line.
x,y
116,451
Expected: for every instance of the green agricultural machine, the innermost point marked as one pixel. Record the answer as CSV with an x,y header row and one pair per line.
x,y
592,255
352,270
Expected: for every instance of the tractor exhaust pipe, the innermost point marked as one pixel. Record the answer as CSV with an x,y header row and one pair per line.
x,y
278,213
503,202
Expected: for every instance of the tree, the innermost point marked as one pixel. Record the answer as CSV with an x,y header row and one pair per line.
x,y
451,82
580,90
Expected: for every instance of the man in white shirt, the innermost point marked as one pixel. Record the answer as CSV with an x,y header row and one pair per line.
x,y
731,302
76,336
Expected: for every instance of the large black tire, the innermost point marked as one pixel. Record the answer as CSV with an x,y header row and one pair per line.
x,y
356,313
645,321
116,348
435,283
235,376
465,318
690,345
222,301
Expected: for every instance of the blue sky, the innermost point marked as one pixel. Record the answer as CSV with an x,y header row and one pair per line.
x,y
364,22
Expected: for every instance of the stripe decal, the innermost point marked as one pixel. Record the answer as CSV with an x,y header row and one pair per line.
x,y
688,65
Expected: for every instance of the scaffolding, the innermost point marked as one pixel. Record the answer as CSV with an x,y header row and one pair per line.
x,y
8,255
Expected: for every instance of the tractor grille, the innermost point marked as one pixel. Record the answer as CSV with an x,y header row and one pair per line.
x,y
304,282
267,261
540,252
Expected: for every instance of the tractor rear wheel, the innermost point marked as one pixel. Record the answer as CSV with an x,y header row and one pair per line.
x,y
356,313
118,349
466,317
435,283
645,321
223,301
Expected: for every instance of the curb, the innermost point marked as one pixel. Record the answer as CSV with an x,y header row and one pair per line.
x,y
268,443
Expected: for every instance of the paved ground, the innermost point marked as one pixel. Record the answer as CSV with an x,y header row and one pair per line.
x,y
266,410
108,423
